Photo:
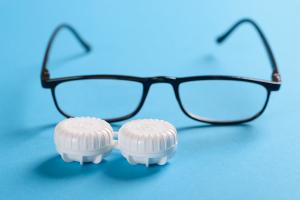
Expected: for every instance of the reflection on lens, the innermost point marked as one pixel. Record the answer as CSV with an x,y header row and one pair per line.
x,y
103,98
222,100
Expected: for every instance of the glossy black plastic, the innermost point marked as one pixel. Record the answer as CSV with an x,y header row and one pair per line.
x,y
272,85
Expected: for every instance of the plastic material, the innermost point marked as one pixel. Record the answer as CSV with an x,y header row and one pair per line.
x,y
147,141
83,139
87,139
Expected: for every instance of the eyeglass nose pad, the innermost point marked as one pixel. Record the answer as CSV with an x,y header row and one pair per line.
x,y
84,139
147,141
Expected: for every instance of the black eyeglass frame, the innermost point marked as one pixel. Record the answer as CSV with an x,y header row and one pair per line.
x,y
273,85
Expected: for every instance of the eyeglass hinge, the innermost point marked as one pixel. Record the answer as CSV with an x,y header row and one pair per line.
x,y
276,77
45,75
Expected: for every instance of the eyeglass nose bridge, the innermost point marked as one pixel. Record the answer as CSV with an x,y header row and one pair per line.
x,y
162,79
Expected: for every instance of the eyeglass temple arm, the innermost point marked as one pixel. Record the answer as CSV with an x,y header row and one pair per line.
x,y
45,75
275,73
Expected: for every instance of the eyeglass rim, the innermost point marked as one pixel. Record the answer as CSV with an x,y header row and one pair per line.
x,y
147,82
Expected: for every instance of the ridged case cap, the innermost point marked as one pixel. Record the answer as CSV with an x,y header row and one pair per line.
x,y
83,139
147,141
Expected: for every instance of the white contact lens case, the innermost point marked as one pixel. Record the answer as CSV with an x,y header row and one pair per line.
x,y
88,139
147,141
83,139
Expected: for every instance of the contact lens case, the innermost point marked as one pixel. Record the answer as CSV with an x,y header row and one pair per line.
x,y
89,139
83,139
147,141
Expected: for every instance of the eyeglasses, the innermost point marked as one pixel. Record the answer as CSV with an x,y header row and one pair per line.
x,y
211,99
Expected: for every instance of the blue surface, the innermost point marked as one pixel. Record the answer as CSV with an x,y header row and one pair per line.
x,y
258,160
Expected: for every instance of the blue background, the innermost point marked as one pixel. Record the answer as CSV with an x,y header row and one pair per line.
x,y
258,160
